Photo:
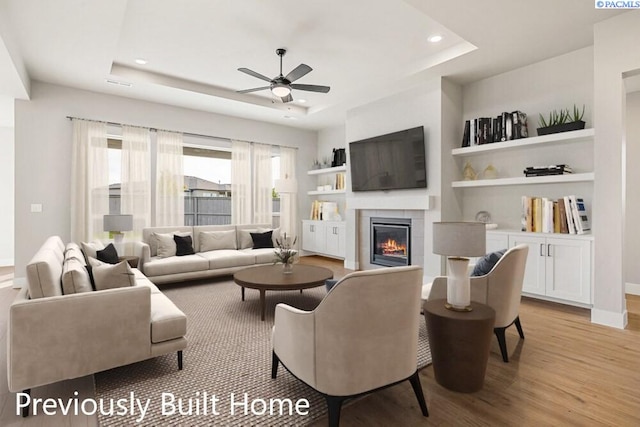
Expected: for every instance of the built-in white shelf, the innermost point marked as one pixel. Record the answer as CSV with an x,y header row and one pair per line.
x,y
551,179
335,169
556,138
327,192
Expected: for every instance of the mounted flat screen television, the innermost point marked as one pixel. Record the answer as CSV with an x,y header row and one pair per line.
x,y
389,162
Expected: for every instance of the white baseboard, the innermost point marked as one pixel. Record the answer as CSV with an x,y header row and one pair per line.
x,y
609,318
632,288
6,262
19,282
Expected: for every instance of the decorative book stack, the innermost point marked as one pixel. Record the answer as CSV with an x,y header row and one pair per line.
x,y
485,130
567,215
547,170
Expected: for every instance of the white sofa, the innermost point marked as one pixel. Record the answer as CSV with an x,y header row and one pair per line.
x,y
54,336
232,251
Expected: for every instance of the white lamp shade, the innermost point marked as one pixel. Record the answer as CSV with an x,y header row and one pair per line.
x,y
280,90
286,185
461,239
117,223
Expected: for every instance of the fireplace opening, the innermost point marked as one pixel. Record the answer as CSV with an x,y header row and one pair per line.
x,y
390,241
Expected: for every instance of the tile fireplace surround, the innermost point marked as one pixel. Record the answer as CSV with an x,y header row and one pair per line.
x,y
364,238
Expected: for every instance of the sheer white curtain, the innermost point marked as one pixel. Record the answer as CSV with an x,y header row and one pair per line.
x,y
169,179
135,193
240,182
89,180
262,184
288,201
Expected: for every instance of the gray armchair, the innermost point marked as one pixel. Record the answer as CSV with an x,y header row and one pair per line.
x,y
361,338
500,289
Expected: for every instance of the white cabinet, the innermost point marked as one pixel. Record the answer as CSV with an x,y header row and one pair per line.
x,y
324,237
558,266
335,239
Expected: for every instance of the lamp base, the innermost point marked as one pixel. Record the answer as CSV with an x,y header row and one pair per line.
x,y
454,308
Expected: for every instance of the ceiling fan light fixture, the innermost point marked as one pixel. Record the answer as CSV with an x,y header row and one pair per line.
x,y
280,90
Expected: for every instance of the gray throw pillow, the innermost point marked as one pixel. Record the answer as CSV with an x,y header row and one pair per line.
x,y
166,243
487,262
110,276
90,249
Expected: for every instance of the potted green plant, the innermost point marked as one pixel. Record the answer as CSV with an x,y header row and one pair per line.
x,y
562,121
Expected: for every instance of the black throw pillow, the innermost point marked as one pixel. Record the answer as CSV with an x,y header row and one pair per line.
x,y
108,254
487,262
184,245
262,240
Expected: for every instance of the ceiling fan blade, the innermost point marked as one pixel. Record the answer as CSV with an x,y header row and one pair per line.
x,y
312,88
255,89
287,98
254,74
299,71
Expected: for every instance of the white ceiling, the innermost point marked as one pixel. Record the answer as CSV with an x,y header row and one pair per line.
x,y
363,49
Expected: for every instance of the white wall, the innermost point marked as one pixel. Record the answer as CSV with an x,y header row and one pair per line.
x,y
420,106
330,138
43,151
615,53
6,195
556,83
632,208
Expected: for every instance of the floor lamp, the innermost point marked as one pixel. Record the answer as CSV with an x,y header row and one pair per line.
x,y
459,240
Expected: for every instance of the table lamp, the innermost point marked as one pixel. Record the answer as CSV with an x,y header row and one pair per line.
x,y
459,240
286,185
116,224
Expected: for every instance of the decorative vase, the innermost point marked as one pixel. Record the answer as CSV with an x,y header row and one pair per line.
x,y
287,267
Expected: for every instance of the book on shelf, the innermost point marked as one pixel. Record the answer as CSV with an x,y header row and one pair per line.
x,y
466,134
547,170
566,215
562,217
504,127
579,213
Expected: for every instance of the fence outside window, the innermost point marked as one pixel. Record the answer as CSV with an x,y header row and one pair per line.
x,y
201,210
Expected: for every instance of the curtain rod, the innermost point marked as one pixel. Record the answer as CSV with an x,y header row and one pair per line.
x,y
220,138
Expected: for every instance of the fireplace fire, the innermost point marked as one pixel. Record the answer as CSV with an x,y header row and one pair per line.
x,y
390,241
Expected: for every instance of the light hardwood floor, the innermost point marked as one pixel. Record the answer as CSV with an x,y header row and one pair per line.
x,y
567,371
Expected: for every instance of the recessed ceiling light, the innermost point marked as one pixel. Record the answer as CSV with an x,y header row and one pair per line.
x,y
290,118
435,38
141,61
302,101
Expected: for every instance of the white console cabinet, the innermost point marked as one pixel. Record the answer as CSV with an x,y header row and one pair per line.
x,y
558,268
324,237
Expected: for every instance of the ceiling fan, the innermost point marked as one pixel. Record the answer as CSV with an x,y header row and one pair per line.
x,y
281,86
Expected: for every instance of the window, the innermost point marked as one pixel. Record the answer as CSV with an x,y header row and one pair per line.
x,y
115,174
207,186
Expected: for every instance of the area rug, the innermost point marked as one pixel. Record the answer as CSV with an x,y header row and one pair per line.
x,y
228,358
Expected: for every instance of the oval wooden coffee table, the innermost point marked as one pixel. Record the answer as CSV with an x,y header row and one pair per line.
x,y
271,278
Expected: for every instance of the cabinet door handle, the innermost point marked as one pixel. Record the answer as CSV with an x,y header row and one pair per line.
x,y
541,249
549,249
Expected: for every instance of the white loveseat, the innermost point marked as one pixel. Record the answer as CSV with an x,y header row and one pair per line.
x,y
222,250
55,335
